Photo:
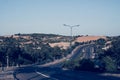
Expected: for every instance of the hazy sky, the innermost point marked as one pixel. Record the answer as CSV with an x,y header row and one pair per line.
x,y
95,17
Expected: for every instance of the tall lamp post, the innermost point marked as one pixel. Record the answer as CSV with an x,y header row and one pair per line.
x,y
71,27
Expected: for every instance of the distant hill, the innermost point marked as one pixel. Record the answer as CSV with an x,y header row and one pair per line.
x,y
88,38
52,39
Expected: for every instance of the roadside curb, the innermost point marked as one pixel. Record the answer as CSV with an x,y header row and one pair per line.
x,y
6,75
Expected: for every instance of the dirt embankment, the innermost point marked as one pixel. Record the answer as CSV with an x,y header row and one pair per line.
x,y
88,38
65,45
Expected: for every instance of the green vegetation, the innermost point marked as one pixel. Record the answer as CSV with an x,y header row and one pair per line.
x,y
105,60
110,65
71,64
86,64
21,49
111,57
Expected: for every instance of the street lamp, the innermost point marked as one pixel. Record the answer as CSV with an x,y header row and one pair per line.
x,y
71,27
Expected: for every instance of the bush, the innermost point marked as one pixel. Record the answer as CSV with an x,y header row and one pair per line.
x,y
86,65
110,65
70,64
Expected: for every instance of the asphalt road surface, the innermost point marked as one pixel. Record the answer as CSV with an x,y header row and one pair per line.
x,y
35,72
54,73
87,50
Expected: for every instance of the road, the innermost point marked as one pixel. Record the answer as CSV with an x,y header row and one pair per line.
x,y
54,73
89,51
6,75
46,72
85,49
75,53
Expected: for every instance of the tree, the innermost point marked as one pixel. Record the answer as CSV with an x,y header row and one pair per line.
x,y
114,51
100,41
71,64
110,64
2,57
86,65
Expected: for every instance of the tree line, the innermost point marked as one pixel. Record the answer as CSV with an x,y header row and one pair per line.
x,y
105,60
18,54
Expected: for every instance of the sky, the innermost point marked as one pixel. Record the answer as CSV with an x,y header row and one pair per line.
x,y
95,17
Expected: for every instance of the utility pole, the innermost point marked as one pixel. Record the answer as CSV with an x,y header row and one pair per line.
x,y
7,61
71,34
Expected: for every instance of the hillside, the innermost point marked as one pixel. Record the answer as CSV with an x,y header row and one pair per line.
x,y
52,39
30,48
23,49
88,38
81,39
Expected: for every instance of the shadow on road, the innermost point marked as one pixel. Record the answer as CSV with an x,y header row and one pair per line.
x,y
28,73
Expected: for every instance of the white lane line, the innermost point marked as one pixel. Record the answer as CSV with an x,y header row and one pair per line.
x,y
43,74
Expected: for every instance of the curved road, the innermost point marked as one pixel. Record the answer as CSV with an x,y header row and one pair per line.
x,y
46,72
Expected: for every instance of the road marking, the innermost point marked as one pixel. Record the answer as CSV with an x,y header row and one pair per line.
x,y
43,74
